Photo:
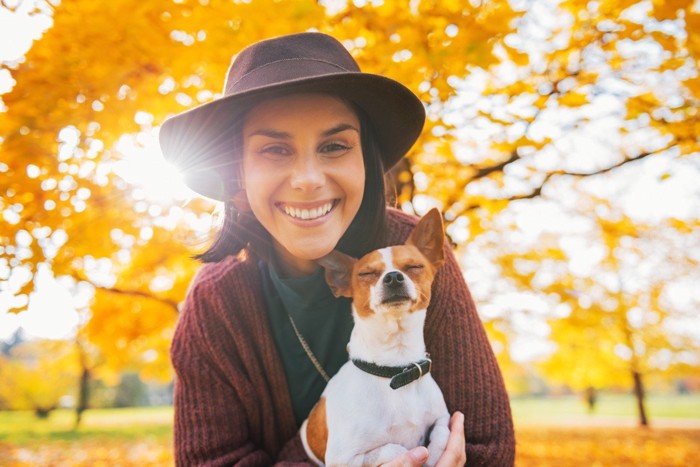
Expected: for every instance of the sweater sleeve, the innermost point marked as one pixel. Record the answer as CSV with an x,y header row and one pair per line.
x,y
211,415
210,421
466,370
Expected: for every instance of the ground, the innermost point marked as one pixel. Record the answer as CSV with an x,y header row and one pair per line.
x,y
550,432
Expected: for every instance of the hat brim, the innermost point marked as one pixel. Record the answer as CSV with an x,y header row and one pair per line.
x,y
199,141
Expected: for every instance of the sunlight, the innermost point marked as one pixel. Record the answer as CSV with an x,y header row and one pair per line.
x,y
19,28
51,313
144,168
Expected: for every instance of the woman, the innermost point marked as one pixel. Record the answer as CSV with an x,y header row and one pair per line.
x,y
297,149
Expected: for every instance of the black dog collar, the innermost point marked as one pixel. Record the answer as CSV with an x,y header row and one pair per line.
x,y
400,375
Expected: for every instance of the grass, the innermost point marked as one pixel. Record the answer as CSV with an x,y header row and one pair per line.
x,y
571,409
551,431
114,424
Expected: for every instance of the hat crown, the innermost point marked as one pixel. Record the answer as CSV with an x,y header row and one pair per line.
x,y
304,55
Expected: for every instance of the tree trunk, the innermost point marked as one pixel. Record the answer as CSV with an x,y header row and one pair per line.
x,y
83,397
43,412
639,395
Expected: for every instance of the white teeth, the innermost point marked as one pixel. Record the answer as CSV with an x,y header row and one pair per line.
x,y
308,214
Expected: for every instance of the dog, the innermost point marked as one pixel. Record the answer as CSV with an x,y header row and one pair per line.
x,y
384,400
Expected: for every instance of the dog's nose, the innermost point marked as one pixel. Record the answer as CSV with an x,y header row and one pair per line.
x,y
393,279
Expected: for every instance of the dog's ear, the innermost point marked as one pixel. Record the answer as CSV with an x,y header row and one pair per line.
x,y
338,274
429,237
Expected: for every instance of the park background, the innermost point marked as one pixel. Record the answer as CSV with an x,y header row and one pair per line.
x,y
561,146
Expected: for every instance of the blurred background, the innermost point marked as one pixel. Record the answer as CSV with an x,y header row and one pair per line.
x,y
562,146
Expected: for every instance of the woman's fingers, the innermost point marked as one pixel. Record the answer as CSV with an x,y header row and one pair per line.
x,y
415,457
455,451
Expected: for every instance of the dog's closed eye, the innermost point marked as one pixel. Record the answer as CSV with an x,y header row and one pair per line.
x,y
368,274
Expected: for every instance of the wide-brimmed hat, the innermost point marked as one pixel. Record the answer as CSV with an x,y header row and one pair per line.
x,y
200,141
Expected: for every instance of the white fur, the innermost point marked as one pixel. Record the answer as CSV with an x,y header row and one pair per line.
x,y
375,292
368,422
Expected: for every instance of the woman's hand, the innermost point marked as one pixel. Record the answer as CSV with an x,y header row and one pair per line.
x,y
455,451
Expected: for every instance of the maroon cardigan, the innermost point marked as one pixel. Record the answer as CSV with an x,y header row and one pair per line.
x,y
232,404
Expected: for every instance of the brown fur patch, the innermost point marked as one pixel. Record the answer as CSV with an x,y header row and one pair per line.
x,y
362,281
317,430
406,256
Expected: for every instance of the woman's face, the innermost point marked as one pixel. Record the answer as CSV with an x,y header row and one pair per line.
x,y
303,173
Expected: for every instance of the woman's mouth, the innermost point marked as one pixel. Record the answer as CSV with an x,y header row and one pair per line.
x,y
308,213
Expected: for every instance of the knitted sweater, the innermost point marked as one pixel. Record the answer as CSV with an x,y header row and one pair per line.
x,y
232,403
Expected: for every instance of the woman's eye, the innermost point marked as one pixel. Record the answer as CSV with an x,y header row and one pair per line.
x,y
335,148
275,151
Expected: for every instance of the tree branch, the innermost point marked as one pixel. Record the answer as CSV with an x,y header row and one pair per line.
x,y
135,293
486,171
138,293
537,191
4,4
625,161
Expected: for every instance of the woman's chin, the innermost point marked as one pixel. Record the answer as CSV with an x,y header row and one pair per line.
x,y
302,258
314,254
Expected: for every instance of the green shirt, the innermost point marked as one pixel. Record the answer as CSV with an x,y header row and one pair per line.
x,y
325,323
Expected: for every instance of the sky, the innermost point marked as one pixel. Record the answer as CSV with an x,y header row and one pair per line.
x,y
17,32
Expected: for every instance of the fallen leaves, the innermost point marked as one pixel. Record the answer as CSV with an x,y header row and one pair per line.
x,y
536,446
94,452
557,446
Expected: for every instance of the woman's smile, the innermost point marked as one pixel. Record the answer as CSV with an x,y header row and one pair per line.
x,y
308,212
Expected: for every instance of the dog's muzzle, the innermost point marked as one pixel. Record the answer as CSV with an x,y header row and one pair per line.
x,y
394,289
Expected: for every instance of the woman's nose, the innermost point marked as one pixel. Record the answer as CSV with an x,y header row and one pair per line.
x,y
307,173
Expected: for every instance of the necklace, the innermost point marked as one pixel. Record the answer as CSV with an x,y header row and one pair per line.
x,y
308,351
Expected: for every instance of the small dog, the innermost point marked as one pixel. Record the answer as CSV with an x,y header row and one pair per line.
x,y
383,401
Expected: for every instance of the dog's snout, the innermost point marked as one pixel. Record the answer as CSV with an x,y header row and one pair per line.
x,y
394,278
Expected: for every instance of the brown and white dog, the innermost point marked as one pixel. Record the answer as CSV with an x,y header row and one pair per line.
x,y
383,401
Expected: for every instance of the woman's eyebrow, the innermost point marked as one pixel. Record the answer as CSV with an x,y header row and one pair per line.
x,y
276,134
270,133
339,128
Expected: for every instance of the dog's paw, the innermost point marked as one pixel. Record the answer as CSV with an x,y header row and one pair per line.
x,y
438,442
379,456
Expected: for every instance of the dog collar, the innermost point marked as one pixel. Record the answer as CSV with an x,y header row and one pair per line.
x,y
400,375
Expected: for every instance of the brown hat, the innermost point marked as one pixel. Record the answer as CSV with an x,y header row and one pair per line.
x,y
199,141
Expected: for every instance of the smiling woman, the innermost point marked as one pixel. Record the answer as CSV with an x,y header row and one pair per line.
x,y
297,150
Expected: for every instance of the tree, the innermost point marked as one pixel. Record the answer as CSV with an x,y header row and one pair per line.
x,y
621,294
619,78
37,375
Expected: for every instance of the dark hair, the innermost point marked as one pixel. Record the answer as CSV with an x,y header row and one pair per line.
x,y
242,231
